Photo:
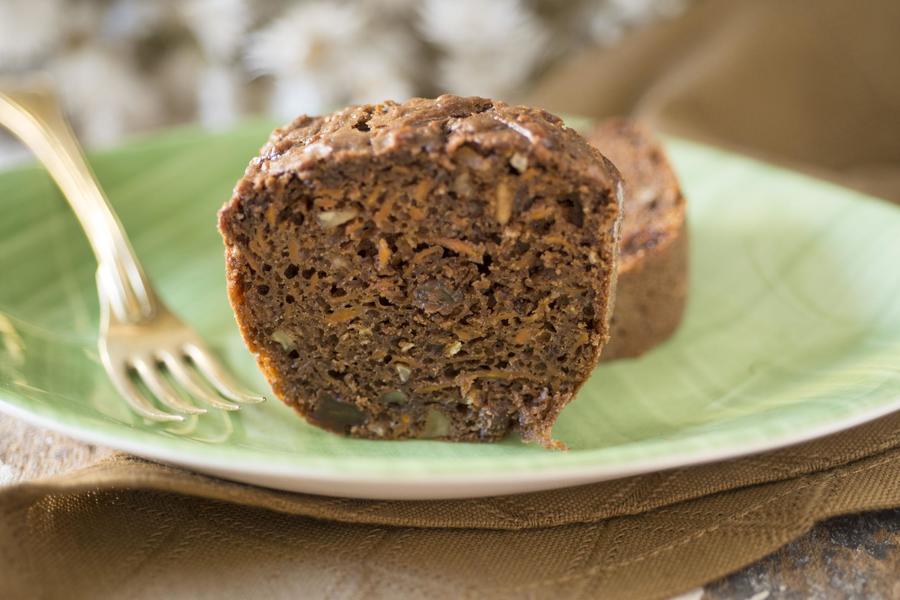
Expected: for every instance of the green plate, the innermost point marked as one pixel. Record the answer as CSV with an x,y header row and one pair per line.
x,y
792,331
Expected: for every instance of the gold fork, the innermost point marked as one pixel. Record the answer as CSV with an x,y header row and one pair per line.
x,y
139,337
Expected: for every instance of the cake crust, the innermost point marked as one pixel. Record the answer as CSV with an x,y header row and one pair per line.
x,y
428,269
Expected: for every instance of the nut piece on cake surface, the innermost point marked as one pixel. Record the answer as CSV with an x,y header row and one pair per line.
x,y
434,269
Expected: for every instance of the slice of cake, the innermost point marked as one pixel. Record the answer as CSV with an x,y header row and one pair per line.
x,y
432,269
653,262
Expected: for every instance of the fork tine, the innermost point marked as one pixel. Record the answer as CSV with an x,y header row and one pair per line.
x,y
219,377
135,399
162,389
191,382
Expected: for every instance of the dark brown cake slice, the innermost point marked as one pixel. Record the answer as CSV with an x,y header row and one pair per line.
x,y
653,263
432,269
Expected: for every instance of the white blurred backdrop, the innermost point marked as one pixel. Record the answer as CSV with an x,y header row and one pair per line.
x,y
130,65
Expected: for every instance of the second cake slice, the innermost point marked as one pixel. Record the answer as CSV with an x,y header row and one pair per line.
x,y
653,262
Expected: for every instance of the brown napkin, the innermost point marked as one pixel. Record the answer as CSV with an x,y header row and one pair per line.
x,y
813,86
133,529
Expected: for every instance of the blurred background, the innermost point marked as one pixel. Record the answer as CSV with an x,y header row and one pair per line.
x,y
813,84
130,65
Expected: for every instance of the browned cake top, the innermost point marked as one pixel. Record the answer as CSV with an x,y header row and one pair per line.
x,y
436,126
654,205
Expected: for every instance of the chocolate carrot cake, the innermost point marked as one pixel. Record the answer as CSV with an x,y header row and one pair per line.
x,y
430,269
653,262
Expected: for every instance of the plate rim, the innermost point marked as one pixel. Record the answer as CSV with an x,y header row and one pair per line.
x,y
441,486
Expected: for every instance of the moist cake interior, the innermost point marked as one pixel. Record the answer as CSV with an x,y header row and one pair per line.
x,y
403,296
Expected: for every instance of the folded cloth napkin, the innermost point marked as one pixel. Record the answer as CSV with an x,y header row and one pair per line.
x,y
129,528
809,86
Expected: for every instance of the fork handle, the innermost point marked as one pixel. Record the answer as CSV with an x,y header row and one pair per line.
x,y
33,114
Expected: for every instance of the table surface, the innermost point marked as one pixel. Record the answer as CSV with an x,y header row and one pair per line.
x,y
856,556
